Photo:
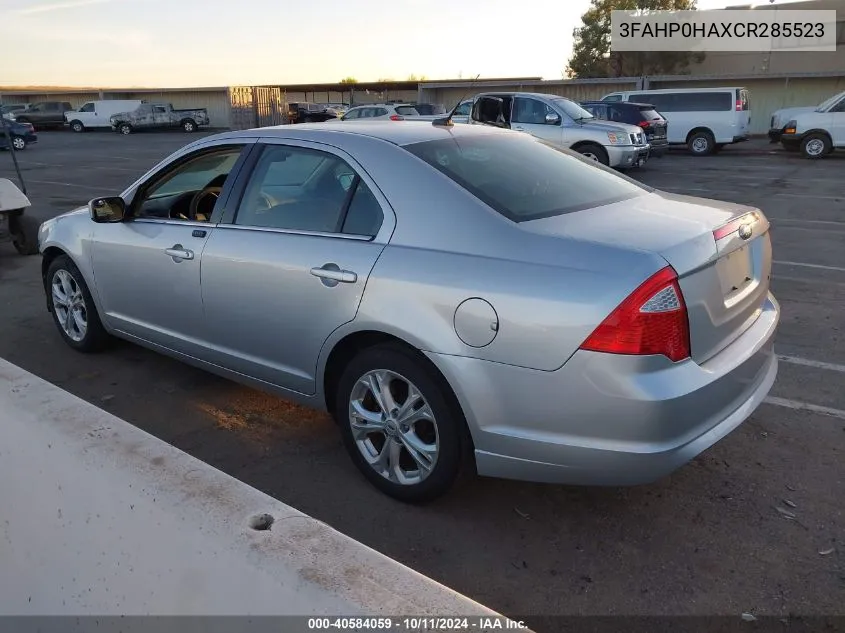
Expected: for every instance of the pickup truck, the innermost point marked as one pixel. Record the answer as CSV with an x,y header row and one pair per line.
x,y
149,116
814,131
563,123
43,114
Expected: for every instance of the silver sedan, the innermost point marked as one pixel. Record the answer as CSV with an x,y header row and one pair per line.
x,y
456,296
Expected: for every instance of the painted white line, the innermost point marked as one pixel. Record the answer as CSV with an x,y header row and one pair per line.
x,y
808,195
806,362
804,280
831,222
803,265
65,184
805,406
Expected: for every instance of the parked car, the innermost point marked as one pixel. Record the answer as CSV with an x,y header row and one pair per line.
x,y
149,116
447,293
44,114
781,117
703,119
642,115
564,123
818,132
22,134
304,112
12,108
98,114
381,112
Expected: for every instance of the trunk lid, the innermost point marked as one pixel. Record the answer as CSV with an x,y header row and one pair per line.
x,y
724,272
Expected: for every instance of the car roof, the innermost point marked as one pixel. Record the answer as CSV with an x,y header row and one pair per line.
x,y
395,132
640,104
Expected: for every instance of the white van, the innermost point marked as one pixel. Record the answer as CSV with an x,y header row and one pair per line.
x,y
98,113
703,119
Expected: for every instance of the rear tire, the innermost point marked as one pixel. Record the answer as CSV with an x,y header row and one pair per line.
x,y
594,152
72,307
77,126
434,428
701,143
24,230
815,146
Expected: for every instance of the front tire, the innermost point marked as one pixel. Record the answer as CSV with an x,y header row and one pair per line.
x,y
77,126
815,146
594,152
399,423
701,143
125,129
189,126
19,143
72,306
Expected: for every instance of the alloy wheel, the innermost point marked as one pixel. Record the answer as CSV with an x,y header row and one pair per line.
x,y
69,305
393,427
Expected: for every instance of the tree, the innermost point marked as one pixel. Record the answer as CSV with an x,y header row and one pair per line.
x,y
591,54
413,77
349,80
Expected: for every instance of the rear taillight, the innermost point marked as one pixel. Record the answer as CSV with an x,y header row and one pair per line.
x,y
738,105
396,117
644,124
652,320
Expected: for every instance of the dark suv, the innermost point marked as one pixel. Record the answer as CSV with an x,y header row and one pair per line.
x,y
305,112
644,115
44,114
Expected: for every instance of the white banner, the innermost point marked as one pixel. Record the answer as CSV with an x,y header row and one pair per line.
x,y
726,30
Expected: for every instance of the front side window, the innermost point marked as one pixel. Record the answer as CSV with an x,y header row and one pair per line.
x,y
88,107
612,98
572,109
464,108
351,115
525,179
527,110
159,109
189,190
301,189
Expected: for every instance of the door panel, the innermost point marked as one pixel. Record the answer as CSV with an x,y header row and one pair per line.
x,y
268,315
292,266
837,123
529,115
146,292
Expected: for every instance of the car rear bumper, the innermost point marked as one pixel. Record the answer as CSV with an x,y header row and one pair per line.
x,y
607,419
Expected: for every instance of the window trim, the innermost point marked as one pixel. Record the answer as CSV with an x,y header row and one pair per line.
x,y
233,203
189,153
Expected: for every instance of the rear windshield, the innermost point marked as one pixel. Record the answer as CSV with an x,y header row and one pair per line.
x,y
650,114
523,178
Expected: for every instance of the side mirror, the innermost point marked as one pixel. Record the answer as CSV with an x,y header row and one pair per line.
x,y
105,210
552,118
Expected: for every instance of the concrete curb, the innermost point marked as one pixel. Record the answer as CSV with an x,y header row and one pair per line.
x,y
98,517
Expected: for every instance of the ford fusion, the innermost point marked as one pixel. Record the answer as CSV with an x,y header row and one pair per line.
x,y
456,297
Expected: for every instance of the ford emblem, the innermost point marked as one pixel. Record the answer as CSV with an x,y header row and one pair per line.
x,y
745,231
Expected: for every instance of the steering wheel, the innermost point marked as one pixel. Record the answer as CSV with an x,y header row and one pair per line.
x,y
199,196
268,202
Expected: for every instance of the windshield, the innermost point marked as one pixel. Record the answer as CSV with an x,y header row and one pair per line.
x,y
572,109
827,104
523,178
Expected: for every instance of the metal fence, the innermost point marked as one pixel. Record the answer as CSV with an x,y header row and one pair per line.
x,y
255,106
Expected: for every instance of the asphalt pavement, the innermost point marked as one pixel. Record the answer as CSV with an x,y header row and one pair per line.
x,y
754,525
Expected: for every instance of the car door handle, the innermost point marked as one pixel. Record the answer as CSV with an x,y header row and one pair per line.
x,y
333,273
177,252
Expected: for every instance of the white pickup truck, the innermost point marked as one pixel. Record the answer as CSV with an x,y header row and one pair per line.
x,y
814,131
563,123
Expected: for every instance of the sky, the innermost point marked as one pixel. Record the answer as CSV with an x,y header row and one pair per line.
x,y
184,43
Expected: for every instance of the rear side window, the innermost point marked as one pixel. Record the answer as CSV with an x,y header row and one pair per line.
x,y
612,98
524,179
379,112
691,101
649,114
406,111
